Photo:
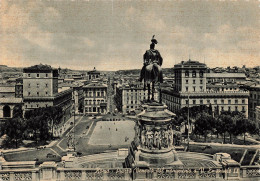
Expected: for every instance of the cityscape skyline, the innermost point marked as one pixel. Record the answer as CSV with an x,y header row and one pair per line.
x,y
77,35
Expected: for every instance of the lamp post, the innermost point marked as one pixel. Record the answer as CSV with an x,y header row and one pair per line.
x,y
188,147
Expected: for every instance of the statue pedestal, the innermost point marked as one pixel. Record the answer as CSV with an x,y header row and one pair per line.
x,y
153,145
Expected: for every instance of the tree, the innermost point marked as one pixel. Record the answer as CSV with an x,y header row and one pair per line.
x,y
14,129
244,125
54,115
203,124
225,120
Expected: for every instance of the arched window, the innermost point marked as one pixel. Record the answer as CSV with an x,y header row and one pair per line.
x,y
7,111
187,73
193,73
201,73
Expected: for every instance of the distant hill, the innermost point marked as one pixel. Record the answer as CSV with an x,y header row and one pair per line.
x,y
137,71
5,68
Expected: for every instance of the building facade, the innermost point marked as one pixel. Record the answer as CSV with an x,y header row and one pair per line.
x,y
40,89
190,89
94,74
95,98
254,100
130,97
40,85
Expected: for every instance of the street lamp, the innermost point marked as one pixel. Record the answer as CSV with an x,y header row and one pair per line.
x,y
188,147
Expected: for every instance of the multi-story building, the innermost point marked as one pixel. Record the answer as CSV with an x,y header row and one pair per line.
x,y
225,77
190,88
254,100
129,97
95,101
19,87
78,97
94,74
40,89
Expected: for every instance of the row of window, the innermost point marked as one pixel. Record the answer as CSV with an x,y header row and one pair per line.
x,y
222,101
38,93
37,106
94,109
97,94
194,81
38,75
89,102
194,88
193,73
37,85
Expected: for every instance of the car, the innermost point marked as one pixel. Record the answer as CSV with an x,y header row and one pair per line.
x,y
50,155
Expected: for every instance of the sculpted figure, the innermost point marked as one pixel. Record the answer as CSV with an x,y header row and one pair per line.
x,y
151,71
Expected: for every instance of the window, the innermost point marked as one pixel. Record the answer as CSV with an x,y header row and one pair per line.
x,y
243,101
29,93
37,105
201,73
201,88
98,94
46,105
37,93
243,108
222,101
229,108
194,101
187,101
208,101
193,73
38,75
38,85
90,102
194,81
215,101
187,89
222,108
236,108
201,101
98,102
46,93
201,81
94,102
236,101
46,75
25,106
187,73
29,85
194,89
229,101
187,81
46,85
29,75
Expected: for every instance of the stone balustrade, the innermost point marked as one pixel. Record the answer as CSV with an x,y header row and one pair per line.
x,y
65,174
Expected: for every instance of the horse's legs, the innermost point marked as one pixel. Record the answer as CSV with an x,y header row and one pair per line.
x,y
149,91
152,91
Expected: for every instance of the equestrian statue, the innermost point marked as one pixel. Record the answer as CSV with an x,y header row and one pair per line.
x,y
151,72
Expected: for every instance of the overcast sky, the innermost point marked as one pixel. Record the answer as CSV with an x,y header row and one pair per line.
x,y
113,35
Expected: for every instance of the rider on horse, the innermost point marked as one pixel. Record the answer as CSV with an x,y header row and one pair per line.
x,y
152,57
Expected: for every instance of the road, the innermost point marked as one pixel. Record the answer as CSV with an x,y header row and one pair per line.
x,y
84,127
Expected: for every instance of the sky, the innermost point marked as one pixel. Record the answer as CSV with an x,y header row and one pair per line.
x,y
113,35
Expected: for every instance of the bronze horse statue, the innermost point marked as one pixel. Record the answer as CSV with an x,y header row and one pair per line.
x,y
151,72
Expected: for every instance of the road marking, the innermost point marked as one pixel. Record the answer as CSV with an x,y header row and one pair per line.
x,y
90,128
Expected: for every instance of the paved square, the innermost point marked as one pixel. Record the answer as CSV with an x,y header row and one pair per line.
x,y
113,133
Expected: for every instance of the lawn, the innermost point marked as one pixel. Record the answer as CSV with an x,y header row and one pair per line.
x,y
112,133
